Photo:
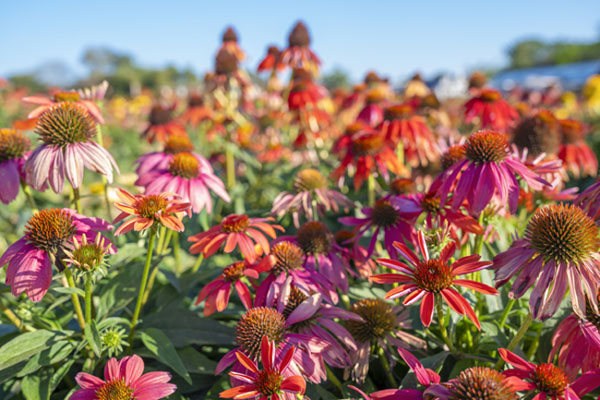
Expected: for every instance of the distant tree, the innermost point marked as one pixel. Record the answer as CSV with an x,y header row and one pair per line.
x,y
338,78
531,53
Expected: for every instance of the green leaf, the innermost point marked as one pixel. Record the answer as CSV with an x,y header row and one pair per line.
x,y
69,290
37,386
58,352
59,374
184,327
93,338
196,362
26,345
160,345
112,321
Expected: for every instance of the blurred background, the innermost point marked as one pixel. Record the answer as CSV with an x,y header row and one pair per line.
x,y
151,44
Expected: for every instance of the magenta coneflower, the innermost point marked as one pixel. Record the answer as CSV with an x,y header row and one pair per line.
x,y
48,234
217,292
589,200
265,321
190,176
271,383
547,380
488,170
147,210
310,194
14,146
123,379
355,254
236,230
434,279
383,325
577,343
45,104
560,247
384,215
66,130
307,315
161,159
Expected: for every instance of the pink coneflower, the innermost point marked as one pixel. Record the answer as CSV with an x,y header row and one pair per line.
x,y
384,216
355,254
434,279
575,153
383,325
161,159
14,146
63,97
265,321
560,247
48,234
217,292
123,379
307,315
298,53
236,230
190,176
492,111
311,194
546,380
148,210
589,200
94,93
488,171
402,125
66,130
577,343
477,383
271,383
162,125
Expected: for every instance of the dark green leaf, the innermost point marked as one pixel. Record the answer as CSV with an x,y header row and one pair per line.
x,y
160,345
26,345
93,338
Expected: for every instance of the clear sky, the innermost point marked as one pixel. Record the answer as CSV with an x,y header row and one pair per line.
x,y
394,37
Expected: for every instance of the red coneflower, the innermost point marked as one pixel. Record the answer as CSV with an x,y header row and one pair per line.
x,y
271,383
304,93
547,380
372,113
161,124
236,230
298,53
492,110
196,111
367,151
147,210
434,279
576,155
271,61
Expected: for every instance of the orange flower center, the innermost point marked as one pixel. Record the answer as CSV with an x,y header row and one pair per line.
x,y
13,144
50,229
402,186
490,95
256,323
115,390
234,272
178,144
431,204
151,205
398,112
486,146
433,276
342,236
563,233
550,380
268,382
479,383
378,320
66,97
288,257
309,179
235,223
65,123
572,131
367,144
384,214
184,165
314,238
453,155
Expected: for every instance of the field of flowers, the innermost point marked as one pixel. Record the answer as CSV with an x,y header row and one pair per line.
x,y
276,240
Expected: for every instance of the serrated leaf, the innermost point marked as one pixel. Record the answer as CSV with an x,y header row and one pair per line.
x,y
160,345
26,345
93,338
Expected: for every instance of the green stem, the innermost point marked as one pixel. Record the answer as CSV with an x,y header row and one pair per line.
x,y
386,366
77,200
371,190
75,299
12,317
534,346
198,263
507,310
104,181
230,166
333,379
442,322
29,197
138,304
176,252
161,239
515,340
88,298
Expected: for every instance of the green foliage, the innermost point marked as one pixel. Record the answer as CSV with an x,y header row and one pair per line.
x,y
533,53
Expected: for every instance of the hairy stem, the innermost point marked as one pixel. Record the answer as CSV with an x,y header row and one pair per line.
x,y
75,299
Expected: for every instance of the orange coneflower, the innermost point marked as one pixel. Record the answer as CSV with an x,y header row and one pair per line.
x,y
492,110
576,155
162,125
196,111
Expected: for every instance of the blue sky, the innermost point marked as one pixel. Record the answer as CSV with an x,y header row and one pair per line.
x,y
394,37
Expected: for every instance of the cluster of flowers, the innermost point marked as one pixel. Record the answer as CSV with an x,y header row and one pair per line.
x,y
429,216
